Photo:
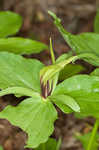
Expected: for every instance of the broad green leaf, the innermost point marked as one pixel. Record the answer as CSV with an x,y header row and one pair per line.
x,y
51,144
86,43
96,22
10,23
70,70
81,44
18,90
84,90
16,71
85,138
21,45
35,116
66,103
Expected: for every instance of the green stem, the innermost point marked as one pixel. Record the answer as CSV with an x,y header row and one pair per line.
x,y
93,135
43,146
52,52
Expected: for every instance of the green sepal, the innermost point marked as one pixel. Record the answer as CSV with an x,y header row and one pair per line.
x,y
70,69
50,71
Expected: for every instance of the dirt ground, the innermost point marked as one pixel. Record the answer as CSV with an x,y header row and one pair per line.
x,y
77,16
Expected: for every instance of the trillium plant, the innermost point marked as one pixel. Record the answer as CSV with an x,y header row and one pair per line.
x,y
40,84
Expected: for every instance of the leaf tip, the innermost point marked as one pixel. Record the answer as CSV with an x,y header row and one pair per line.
x,y
77,109
54,16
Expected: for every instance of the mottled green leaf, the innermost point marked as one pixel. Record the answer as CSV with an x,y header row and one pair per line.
x,y
34,115
65,101
81,44
16,71
10,23
85,138
96,22
21,45
84,90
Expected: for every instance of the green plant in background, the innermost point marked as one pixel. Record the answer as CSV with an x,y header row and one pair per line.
x,y
29,77
85,138
1,148
96,22
10,24
51,144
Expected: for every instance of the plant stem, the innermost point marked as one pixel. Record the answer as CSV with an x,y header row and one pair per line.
x,y
43,146
52,52
93,134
